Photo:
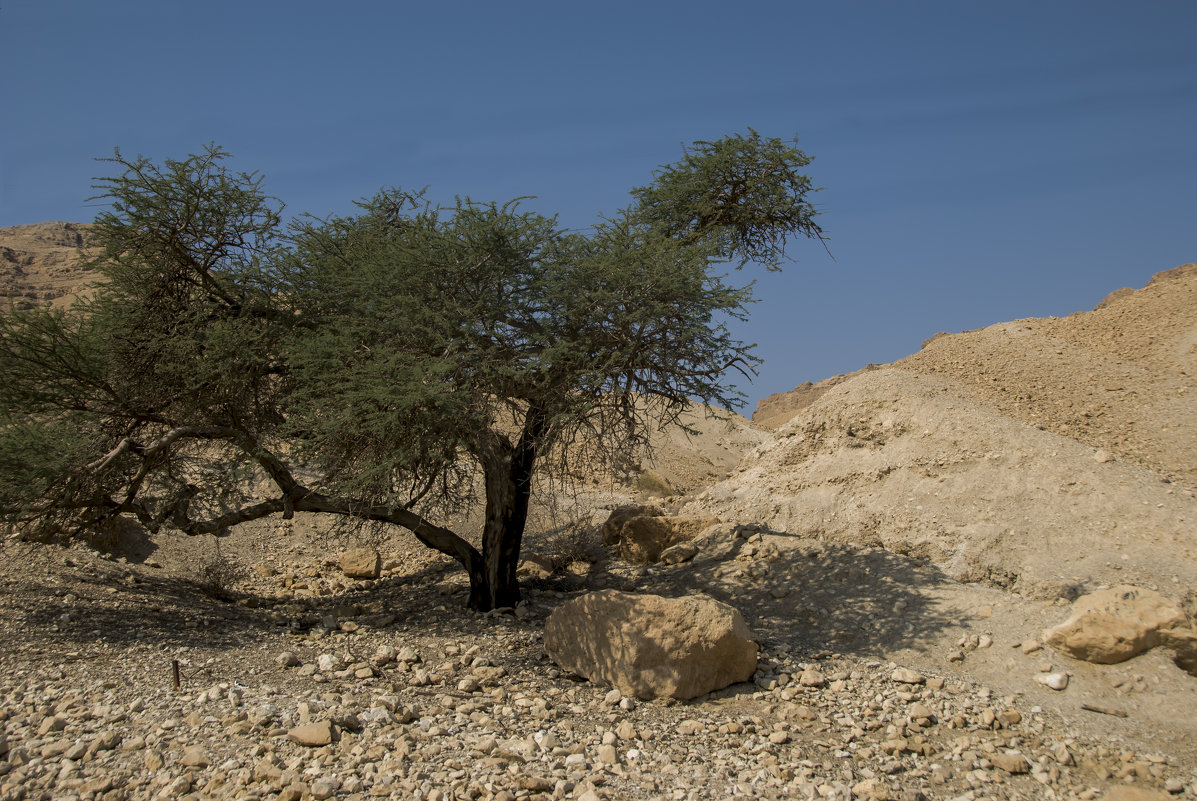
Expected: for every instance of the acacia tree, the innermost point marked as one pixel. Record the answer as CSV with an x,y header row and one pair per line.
x,y
393,354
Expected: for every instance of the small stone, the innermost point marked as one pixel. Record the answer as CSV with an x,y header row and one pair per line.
x,y
811,677
325,787
626,731
1056,681
779,737
907,676
327,663
180,786
612,697
1103,457
97,787
1030,646
1011,763
287,659
105,742
194,757
607,755
313,735
52,723
383,656
871,788
1010,717
919,711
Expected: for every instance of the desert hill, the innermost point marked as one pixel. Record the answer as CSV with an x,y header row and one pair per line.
x,y
1116,378
1045,456
39,263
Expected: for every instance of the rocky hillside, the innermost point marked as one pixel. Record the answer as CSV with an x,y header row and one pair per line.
x,y
39,263
1046,456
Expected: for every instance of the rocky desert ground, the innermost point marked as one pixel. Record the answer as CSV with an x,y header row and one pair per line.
x,y
898,541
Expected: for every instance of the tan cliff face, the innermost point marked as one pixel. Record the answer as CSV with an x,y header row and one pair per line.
x,y
39,263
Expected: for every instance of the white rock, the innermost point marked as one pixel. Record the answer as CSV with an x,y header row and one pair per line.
x,y
1056,681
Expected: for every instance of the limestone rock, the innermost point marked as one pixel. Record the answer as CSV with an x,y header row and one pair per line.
x,y
194,757
811,677
621,515
682,552
534,565
642,540
313,735
287,659
907,676
1011,763
1183,643
1056,681
651,647
1114,625
362,563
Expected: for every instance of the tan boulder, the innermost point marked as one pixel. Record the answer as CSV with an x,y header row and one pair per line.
x,y
1113,625
621,515
643,539
652,647
313,735
361,563
1183,643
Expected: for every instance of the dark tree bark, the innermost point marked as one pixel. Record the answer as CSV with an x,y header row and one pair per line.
x,y
508,472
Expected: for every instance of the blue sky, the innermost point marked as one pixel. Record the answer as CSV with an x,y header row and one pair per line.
x,y
980,162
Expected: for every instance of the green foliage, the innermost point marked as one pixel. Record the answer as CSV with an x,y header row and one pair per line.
x,y
745,192
396,354
180,336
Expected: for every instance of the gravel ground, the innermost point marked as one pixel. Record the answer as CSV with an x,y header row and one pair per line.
x,y
423,699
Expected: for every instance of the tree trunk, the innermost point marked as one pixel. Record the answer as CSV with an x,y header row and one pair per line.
x,y
508,473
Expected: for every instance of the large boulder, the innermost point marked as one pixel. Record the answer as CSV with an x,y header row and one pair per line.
x,y
361,563
643,539
1113,625
623,514
652,647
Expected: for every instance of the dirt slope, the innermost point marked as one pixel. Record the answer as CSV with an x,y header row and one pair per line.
x,y
1044,456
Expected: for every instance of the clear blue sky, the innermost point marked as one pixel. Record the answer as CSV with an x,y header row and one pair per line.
x,y
981,161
